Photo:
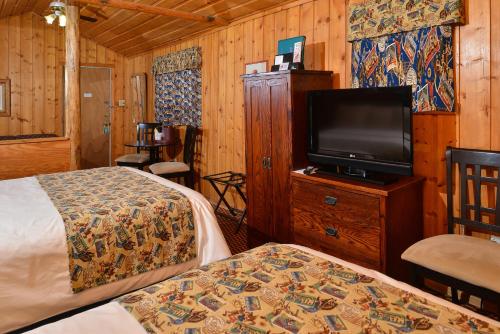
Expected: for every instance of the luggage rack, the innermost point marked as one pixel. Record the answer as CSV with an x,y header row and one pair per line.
x,y
229,179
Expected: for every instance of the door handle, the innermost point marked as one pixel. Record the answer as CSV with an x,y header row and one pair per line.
x,y
106,128
266,163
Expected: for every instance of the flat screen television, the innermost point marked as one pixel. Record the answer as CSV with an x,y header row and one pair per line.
x,y
361,131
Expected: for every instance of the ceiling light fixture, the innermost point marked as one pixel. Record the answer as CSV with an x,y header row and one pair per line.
x,y
57,10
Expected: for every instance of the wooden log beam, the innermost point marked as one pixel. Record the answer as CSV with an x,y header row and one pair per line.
x,y
72,85
123,4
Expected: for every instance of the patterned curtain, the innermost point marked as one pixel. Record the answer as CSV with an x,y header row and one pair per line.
x,y
422,59
178,88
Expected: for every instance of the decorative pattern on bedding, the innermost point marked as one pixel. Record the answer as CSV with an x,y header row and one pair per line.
x,y
119,224
279,289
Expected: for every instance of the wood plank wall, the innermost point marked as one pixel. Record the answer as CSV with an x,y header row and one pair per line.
x,y
23,43
478,49
32,56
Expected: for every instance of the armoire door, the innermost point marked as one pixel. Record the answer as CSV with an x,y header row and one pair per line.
x,y
281,159
258,142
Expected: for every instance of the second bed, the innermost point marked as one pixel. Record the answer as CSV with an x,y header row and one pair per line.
x,y
277,289
35,280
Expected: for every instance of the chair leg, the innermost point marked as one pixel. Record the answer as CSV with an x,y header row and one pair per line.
x,y
464,298
454,295
415,279
190,180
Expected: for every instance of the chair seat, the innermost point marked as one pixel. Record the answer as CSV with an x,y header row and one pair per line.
x,y
470,259
134,158
170,167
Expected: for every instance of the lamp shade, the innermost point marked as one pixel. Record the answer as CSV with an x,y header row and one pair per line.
x,y
50,18
62,20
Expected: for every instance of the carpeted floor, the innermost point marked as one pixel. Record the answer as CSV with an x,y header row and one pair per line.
x,y
237,241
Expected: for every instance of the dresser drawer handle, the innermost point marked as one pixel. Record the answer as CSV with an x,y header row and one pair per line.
x,y
332,232
330,200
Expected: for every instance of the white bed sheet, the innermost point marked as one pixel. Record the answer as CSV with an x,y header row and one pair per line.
x,y
112,318
34,274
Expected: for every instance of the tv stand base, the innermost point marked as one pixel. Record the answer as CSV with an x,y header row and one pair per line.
x,y
359,175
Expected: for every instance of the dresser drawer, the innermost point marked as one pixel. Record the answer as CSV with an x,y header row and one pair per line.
x,y
342,223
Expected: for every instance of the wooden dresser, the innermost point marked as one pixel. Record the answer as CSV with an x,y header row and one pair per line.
x,y
276,137
365,224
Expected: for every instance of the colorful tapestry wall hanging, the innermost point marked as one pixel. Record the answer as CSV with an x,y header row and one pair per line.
x,y
422,59
178,88
377,18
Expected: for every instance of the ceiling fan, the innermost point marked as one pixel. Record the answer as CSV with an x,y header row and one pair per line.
x,y
56,11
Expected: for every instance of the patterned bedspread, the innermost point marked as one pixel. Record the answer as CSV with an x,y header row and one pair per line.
x,y
279,289
119,224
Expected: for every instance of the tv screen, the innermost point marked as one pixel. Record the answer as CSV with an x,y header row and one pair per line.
x,y
367,128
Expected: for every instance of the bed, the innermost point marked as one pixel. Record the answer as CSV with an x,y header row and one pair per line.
x,y
277,289
35,278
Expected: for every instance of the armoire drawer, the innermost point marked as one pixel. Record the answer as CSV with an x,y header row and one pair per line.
x,y
342,223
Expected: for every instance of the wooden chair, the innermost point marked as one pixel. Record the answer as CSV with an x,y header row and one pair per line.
x,y
463,262
185,169
145,134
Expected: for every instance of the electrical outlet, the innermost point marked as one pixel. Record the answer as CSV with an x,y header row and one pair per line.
x,y
495,239
121,103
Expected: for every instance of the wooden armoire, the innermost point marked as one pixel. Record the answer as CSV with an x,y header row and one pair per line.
x,y
276,141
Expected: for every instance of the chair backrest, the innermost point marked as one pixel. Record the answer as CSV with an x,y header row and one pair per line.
x,y
189,145
146,132
484,165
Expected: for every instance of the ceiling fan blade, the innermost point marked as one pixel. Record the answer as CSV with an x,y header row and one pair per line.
x,y
88,18
97,11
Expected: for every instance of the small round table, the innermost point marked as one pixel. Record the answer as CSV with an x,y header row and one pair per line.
x,y
153,147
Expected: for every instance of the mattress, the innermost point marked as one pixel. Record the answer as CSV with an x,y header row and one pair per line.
x,y
34,276
116,316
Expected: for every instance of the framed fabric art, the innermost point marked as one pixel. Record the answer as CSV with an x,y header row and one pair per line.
x,y
4,97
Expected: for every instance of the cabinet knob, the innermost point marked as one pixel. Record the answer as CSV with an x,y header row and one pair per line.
x,y
266,163
331,232
330,200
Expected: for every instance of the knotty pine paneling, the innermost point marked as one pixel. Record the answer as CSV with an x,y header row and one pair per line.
x,y
32,55
28,59
17,7
432,133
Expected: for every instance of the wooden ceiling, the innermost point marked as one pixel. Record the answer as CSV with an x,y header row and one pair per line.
x,y
15,7
131,32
